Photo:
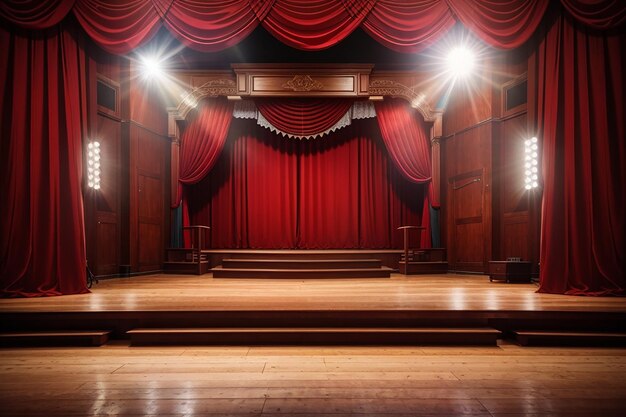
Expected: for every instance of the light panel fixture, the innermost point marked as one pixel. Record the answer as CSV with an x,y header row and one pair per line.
x,y
531,163
93,165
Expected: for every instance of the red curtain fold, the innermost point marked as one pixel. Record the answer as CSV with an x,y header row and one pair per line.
x,y
406,139
408,26
213,26
340,192
503,24
599,14
43,115
35,14
118,27
315,24
203,140
303,117
579,114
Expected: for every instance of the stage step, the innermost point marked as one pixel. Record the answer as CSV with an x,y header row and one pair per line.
x,y
315,336
66,338
301,263
578,338
298,273
417,267
184,267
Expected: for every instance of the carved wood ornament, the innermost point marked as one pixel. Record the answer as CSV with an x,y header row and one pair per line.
x,y
302,83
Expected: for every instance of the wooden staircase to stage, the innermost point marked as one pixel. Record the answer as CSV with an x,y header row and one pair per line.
x,y
300,264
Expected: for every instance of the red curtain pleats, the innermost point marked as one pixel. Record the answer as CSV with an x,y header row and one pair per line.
x,y
43,120
338,192
215,25
303,117
314,24
406,138
118,27
35,14
504,23
406,26
203,140
580,118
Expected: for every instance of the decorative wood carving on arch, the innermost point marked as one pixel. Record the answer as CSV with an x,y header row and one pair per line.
x,y
304,80
390,88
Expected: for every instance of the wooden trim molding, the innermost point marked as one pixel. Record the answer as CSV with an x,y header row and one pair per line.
x,y
302,80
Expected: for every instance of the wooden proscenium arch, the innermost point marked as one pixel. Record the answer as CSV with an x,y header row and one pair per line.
x,y
306,80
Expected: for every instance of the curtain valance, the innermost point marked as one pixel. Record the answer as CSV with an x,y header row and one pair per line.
x,y
406,26
304,119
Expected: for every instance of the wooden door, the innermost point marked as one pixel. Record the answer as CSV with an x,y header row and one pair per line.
x,y
467,229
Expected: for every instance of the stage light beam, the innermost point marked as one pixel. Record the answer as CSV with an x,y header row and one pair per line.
x,y
151,68
461,62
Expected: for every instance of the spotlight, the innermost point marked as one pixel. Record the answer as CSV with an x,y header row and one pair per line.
x,y
152,68
460,62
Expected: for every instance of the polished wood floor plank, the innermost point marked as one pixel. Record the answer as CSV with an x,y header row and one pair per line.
x,y
312,381
428,292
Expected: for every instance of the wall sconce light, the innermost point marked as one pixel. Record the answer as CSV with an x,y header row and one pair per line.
x,y
93,165
531,163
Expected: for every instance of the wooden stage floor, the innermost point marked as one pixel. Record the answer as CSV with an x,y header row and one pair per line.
x,y
435,293
306,381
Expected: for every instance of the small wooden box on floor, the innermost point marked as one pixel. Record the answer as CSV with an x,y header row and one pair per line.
x,y
509,271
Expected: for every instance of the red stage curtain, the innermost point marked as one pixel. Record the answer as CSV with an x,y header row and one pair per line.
x,y
213,26
406,138
315,24
118,27
580,119
408,26
303,117
43,115
249,198
35,14
503,24
339,192
203,140
599,14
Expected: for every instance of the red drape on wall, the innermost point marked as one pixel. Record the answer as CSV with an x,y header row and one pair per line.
x,y
303,117
580,118
43,113
339,192
203,140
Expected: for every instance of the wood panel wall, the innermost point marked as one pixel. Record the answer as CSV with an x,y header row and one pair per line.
x,y
487,213
127,220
